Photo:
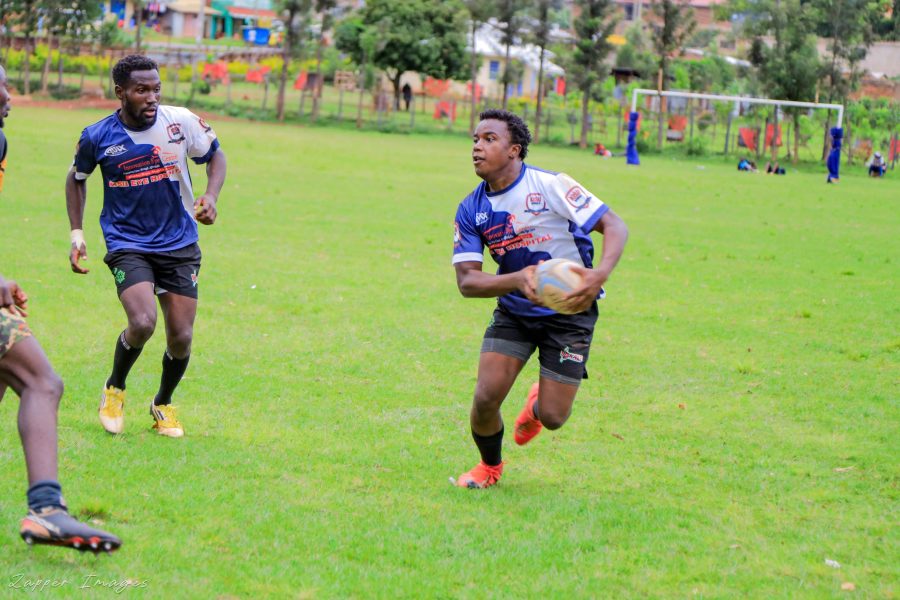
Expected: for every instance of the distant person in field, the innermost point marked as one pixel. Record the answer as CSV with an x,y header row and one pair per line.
x,y
149,221
407,95
746,165
773,168
24,367
525,215
877,166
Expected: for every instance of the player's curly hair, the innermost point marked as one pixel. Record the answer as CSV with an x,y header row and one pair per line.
x,y
121,73
518,130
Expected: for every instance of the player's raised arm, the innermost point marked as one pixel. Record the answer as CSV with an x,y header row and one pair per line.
x,y
76,198
615,234
475,283
205,209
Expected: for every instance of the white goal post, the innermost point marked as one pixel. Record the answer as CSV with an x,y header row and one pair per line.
x,y
836,132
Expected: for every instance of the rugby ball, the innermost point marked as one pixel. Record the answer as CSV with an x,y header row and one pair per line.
x,y
555,279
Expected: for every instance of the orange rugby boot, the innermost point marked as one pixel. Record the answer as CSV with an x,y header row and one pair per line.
x,y
482,476
526,425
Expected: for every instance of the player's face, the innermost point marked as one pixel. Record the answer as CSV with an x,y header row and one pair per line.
x,y
140,97
492,151
4,100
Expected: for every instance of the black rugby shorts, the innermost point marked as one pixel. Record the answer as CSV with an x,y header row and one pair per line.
x,y
563,341
176,271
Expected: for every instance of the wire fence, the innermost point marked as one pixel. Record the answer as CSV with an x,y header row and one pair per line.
x,y
691,128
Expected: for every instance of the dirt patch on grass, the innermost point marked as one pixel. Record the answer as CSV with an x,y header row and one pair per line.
x,y
74,104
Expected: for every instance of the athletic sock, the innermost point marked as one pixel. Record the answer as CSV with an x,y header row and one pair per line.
x,y
489,446
534,410
46,493
172,371
123,360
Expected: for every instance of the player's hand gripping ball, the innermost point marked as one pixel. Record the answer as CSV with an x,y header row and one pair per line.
x,y
555,278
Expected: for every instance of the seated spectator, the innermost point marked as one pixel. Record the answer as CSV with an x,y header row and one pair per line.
x,y
877,166
600,150
746,165
774,168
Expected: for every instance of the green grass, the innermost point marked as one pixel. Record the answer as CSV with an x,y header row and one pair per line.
x,y
740,425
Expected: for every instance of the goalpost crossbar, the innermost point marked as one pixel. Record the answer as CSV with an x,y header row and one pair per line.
x,y
834,156
744,99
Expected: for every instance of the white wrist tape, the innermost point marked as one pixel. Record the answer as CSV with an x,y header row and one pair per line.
x,y
77,236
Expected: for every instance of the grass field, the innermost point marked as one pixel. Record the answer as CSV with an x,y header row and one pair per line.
x,y
740,425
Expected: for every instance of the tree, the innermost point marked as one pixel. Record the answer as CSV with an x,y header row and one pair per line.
x,y
7,16
887,25
426,36
324,8
52,15
849,24
27,13
510,22
541,37
74,20
673,27
635,53
295,14
479,12
783,50
138,12
789,68
592,29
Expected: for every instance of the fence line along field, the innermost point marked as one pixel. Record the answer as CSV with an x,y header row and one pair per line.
x,y
737,437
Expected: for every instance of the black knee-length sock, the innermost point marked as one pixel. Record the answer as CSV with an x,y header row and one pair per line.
x,y
123,359
172,371
489,446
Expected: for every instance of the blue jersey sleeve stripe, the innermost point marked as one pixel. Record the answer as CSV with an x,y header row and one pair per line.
x,y
208,156
592,220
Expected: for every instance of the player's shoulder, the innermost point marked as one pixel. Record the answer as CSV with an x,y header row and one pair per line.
x,y
174,111
105,124
563,181
185,117
474,197
167,115
541,178
540,173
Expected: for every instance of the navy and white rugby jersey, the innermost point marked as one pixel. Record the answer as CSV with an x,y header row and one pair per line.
x,y
147,196
542,215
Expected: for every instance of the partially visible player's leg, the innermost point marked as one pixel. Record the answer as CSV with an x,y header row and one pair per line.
x,y
564,348
139,302
27,371
554,404
549,404
505,349
179,313
25,368
496,375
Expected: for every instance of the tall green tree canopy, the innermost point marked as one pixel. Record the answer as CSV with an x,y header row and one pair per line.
x,y
674,25
425,36
592,29
850,26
